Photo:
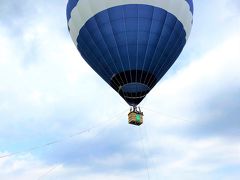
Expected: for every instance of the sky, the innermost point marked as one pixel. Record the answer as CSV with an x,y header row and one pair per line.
x,y
191,127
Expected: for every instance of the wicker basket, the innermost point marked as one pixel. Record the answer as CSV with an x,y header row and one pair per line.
x,y
135,118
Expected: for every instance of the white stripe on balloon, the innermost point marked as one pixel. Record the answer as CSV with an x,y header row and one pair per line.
x,y
85,9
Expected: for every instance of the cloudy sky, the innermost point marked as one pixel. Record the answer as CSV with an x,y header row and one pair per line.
x,y
47,93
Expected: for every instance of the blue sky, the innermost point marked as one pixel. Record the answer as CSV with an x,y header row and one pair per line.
x,y
47,92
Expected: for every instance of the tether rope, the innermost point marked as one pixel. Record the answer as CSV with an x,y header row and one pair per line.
x,y
106,123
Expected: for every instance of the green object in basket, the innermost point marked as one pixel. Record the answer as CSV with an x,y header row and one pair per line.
x,y
138,117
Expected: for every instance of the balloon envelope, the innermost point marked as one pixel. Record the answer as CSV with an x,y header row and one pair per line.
x,y
131,44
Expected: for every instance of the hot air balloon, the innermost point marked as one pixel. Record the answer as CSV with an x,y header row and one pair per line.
x,y
131,44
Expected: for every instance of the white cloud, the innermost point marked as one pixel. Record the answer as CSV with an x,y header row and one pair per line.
x,y
197,159
186,157
21,167
26,167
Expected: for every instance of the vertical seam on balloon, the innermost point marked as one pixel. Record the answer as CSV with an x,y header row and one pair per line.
x,y
167,45
170,62
180,46
97,46
158,41
95,42
104,70
106,45
150,29
165,48
117,48
176,20
137,48
110,56
100,65
125,27
177,51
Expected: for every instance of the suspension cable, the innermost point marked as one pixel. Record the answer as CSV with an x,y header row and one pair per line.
x,y
48,172
145,154
50,143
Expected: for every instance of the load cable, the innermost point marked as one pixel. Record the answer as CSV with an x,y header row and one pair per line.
x,y
185,120
48,172
50,143
167,115
145,153
103,128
